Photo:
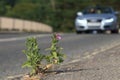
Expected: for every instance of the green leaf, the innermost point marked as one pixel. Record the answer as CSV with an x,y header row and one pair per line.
x,y
26,64
60,60
54,54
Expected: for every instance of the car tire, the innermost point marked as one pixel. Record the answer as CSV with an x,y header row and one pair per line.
x,y
116,31
78,32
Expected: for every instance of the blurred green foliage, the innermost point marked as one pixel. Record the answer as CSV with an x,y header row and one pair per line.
x,y
60,14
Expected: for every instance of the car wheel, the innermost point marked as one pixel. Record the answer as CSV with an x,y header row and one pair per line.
x,y
78,32
116,31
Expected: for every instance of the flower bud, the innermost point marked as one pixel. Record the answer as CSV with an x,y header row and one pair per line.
x,y
58,36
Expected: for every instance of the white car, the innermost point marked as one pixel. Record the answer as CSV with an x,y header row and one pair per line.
x,y
98,18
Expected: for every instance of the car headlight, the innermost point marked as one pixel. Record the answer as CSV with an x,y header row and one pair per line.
x,y
82,21
109,20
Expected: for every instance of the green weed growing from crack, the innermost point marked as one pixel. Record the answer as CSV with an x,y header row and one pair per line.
x,y
35,57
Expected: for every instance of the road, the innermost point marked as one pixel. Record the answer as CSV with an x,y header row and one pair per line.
x,y
76,47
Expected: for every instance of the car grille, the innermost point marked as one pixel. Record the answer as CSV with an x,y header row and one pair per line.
x,y
94,23
94,20
93,27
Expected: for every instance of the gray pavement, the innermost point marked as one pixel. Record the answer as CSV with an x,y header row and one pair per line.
x,y
102,66
79,50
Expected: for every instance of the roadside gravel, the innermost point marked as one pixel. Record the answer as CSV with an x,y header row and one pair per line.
x,y
103,66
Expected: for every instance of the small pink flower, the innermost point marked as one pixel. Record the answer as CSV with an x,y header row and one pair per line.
x,y
58,36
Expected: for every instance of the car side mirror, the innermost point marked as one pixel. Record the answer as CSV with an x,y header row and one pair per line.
x,y
79,13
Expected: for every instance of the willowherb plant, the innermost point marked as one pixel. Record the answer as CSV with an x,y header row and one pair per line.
x,y
35,58
55,56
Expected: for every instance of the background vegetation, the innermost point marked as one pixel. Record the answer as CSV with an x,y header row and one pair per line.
x,y
60,14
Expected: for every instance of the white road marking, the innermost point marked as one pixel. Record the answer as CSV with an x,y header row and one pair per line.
x,y
15,76
22,38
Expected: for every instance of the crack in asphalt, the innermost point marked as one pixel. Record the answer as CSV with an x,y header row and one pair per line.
x,y
95,52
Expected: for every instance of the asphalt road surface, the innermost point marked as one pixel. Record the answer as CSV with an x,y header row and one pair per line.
x,y
76,47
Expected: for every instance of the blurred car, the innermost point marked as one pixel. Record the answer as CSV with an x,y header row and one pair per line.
x,y
97,18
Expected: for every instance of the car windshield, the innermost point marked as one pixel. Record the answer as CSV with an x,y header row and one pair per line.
x,y
97,10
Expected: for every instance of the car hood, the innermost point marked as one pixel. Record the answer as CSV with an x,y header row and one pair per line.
x,y
99,16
